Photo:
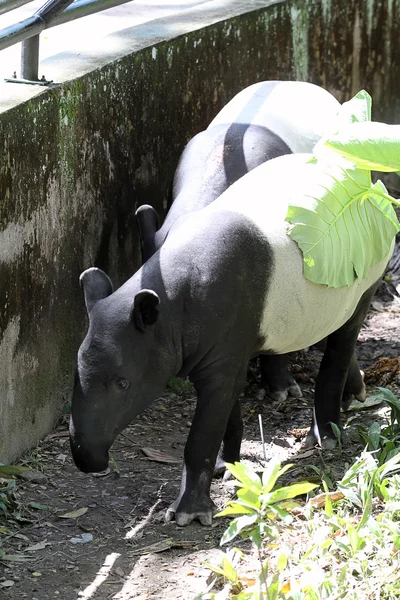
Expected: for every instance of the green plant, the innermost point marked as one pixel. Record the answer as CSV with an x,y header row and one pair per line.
x,y
259,511
347,547
8,503
340,217
384,441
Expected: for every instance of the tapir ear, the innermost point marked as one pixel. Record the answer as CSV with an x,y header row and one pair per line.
x,y
96,285
145,309
147,222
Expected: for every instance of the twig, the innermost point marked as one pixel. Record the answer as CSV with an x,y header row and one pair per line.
x,y
262,436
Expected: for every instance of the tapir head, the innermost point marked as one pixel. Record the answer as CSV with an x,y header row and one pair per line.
x,y
123,364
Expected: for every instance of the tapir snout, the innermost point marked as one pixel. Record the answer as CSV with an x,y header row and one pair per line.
x,y
89,459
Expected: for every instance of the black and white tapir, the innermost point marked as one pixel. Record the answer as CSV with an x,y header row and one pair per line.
x,y
263,121
225,285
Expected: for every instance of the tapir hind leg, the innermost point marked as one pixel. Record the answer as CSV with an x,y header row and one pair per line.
x,y
213,423
339,361
276,379
355,386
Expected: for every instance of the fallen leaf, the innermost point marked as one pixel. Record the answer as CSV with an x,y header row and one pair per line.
x,y
21,536
9,471
370,402
34,477
7,584
16,557
61,434
40,546
158,456
320,500
102,473
75,513
84,538
38,506
36,574
305,454
163,545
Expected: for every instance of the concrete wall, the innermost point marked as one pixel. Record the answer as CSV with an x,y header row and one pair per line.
x,y
77,159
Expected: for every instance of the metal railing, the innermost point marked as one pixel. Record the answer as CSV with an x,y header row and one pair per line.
x,y
54,12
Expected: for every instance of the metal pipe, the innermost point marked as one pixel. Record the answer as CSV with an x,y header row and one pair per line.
x,y
8,5
49,16
21,31
83,8
51,9
24,30
30,58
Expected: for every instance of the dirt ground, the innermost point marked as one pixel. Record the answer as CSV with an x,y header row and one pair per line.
x,y
115,544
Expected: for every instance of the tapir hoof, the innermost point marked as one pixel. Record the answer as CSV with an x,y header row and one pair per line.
x,y
182,517
358,395
326,442
281,395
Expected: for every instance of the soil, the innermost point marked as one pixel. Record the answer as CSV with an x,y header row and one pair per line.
x,y
119,547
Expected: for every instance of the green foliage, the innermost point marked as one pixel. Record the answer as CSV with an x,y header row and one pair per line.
x,y
370,145
343,223
260,510
180,386
384,441
8,502
258,504
10,471
349,549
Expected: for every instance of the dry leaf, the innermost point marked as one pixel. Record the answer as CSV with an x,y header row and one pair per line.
x,y
84,538
305,454
158,456
16,557
164,545
102,473
75,513
40,546
320,500
370,402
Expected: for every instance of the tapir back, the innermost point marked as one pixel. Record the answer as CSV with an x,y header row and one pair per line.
x,y
295,312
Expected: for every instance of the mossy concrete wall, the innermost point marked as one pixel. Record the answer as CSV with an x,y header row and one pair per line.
x,y
78,159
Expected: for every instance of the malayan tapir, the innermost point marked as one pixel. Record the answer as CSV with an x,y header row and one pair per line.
x,y
227,284
264,121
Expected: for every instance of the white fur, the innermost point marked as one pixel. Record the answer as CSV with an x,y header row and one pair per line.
x,y
297,312
300,113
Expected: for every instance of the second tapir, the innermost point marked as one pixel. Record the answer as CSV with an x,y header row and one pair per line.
x,y
227,284
263,121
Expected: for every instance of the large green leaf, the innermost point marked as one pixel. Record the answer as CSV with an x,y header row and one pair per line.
x,y
372,146
342,225
358,109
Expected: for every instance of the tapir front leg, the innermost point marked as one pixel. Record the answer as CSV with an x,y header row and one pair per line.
x,y
339,361
216,419
230,448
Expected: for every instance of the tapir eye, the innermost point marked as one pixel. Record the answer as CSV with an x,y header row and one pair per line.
x,y
122,385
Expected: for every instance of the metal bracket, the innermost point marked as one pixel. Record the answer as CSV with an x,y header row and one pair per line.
x,y
43,81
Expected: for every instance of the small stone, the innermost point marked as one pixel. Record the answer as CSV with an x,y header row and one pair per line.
x,y
34,477
7,583
84,538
